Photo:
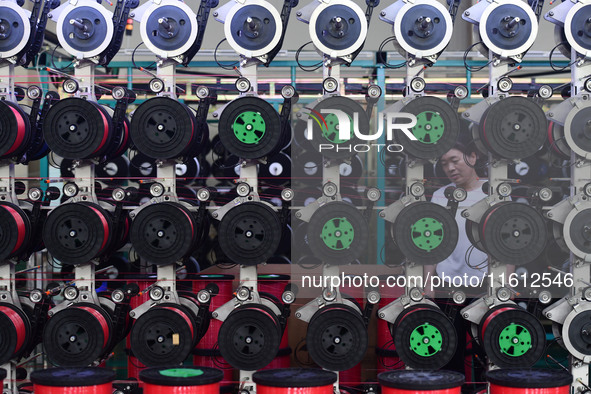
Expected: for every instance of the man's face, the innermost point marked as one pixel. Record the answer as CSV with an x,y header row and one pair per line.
x,y
456,169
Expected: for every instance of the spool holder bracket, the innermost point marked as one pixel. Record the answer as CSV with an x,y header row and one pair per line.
x,y
166,279
306,312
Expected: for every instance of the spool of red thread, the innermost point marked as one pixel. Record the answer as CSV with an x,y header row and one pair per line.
x,y
420,382
83,380
294,381
191,380
529,381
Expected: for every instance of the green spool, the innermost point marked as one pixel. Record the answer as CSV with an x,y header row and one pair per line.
x,y
427,233
515,340
426,340
181,372
338,233
249,127
429,128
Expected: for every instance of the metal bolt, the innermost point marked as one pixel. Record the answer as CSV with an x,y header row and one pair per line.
x,y
337,340
551,13
467,13
298,315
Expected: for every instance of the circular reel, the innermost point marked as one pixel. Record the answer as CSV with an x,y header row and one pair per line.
x,y
77,233
513,128
577,231
15,130
77,129
423,28
508,28
424,337
164,233
437,128
512,337
15,230
164,335
425,232
16,29
15,332
325,126
337,337
85,29
338,29
337,233
163,128
253,29
250,128
78,335
577,130
513,233
250,337
250,233
577,28
168,28
575,332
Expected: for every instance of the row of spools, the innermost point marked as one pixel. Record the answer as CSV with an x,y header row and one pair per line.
x,y
204,380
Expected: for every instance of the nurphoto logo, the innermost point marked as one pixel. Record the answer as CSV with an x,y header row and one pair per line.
x,y
342,128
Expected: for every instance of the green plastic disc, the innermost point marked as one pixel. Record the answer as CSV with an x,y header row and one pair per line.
x,y
330,131
426,340
249,127
181,372
515,340
338,233
427,234
429,128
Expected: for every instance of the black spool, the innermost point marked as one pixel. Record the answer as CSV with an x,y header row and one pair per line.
x,y
164,335
513,233
513,128
337,337
250,233
76,233
250,337
78,129
164,233
163,128
15,130
78,335
15,230
15,332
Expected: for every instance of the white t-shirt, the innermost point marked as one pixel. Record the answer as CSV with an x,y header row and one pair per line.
x,y
455,264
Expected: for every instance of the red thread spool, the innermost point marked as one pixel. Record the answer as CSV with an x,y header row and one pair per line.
x,y
420,382
294,381
85,380
192,380
206,353
529,381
